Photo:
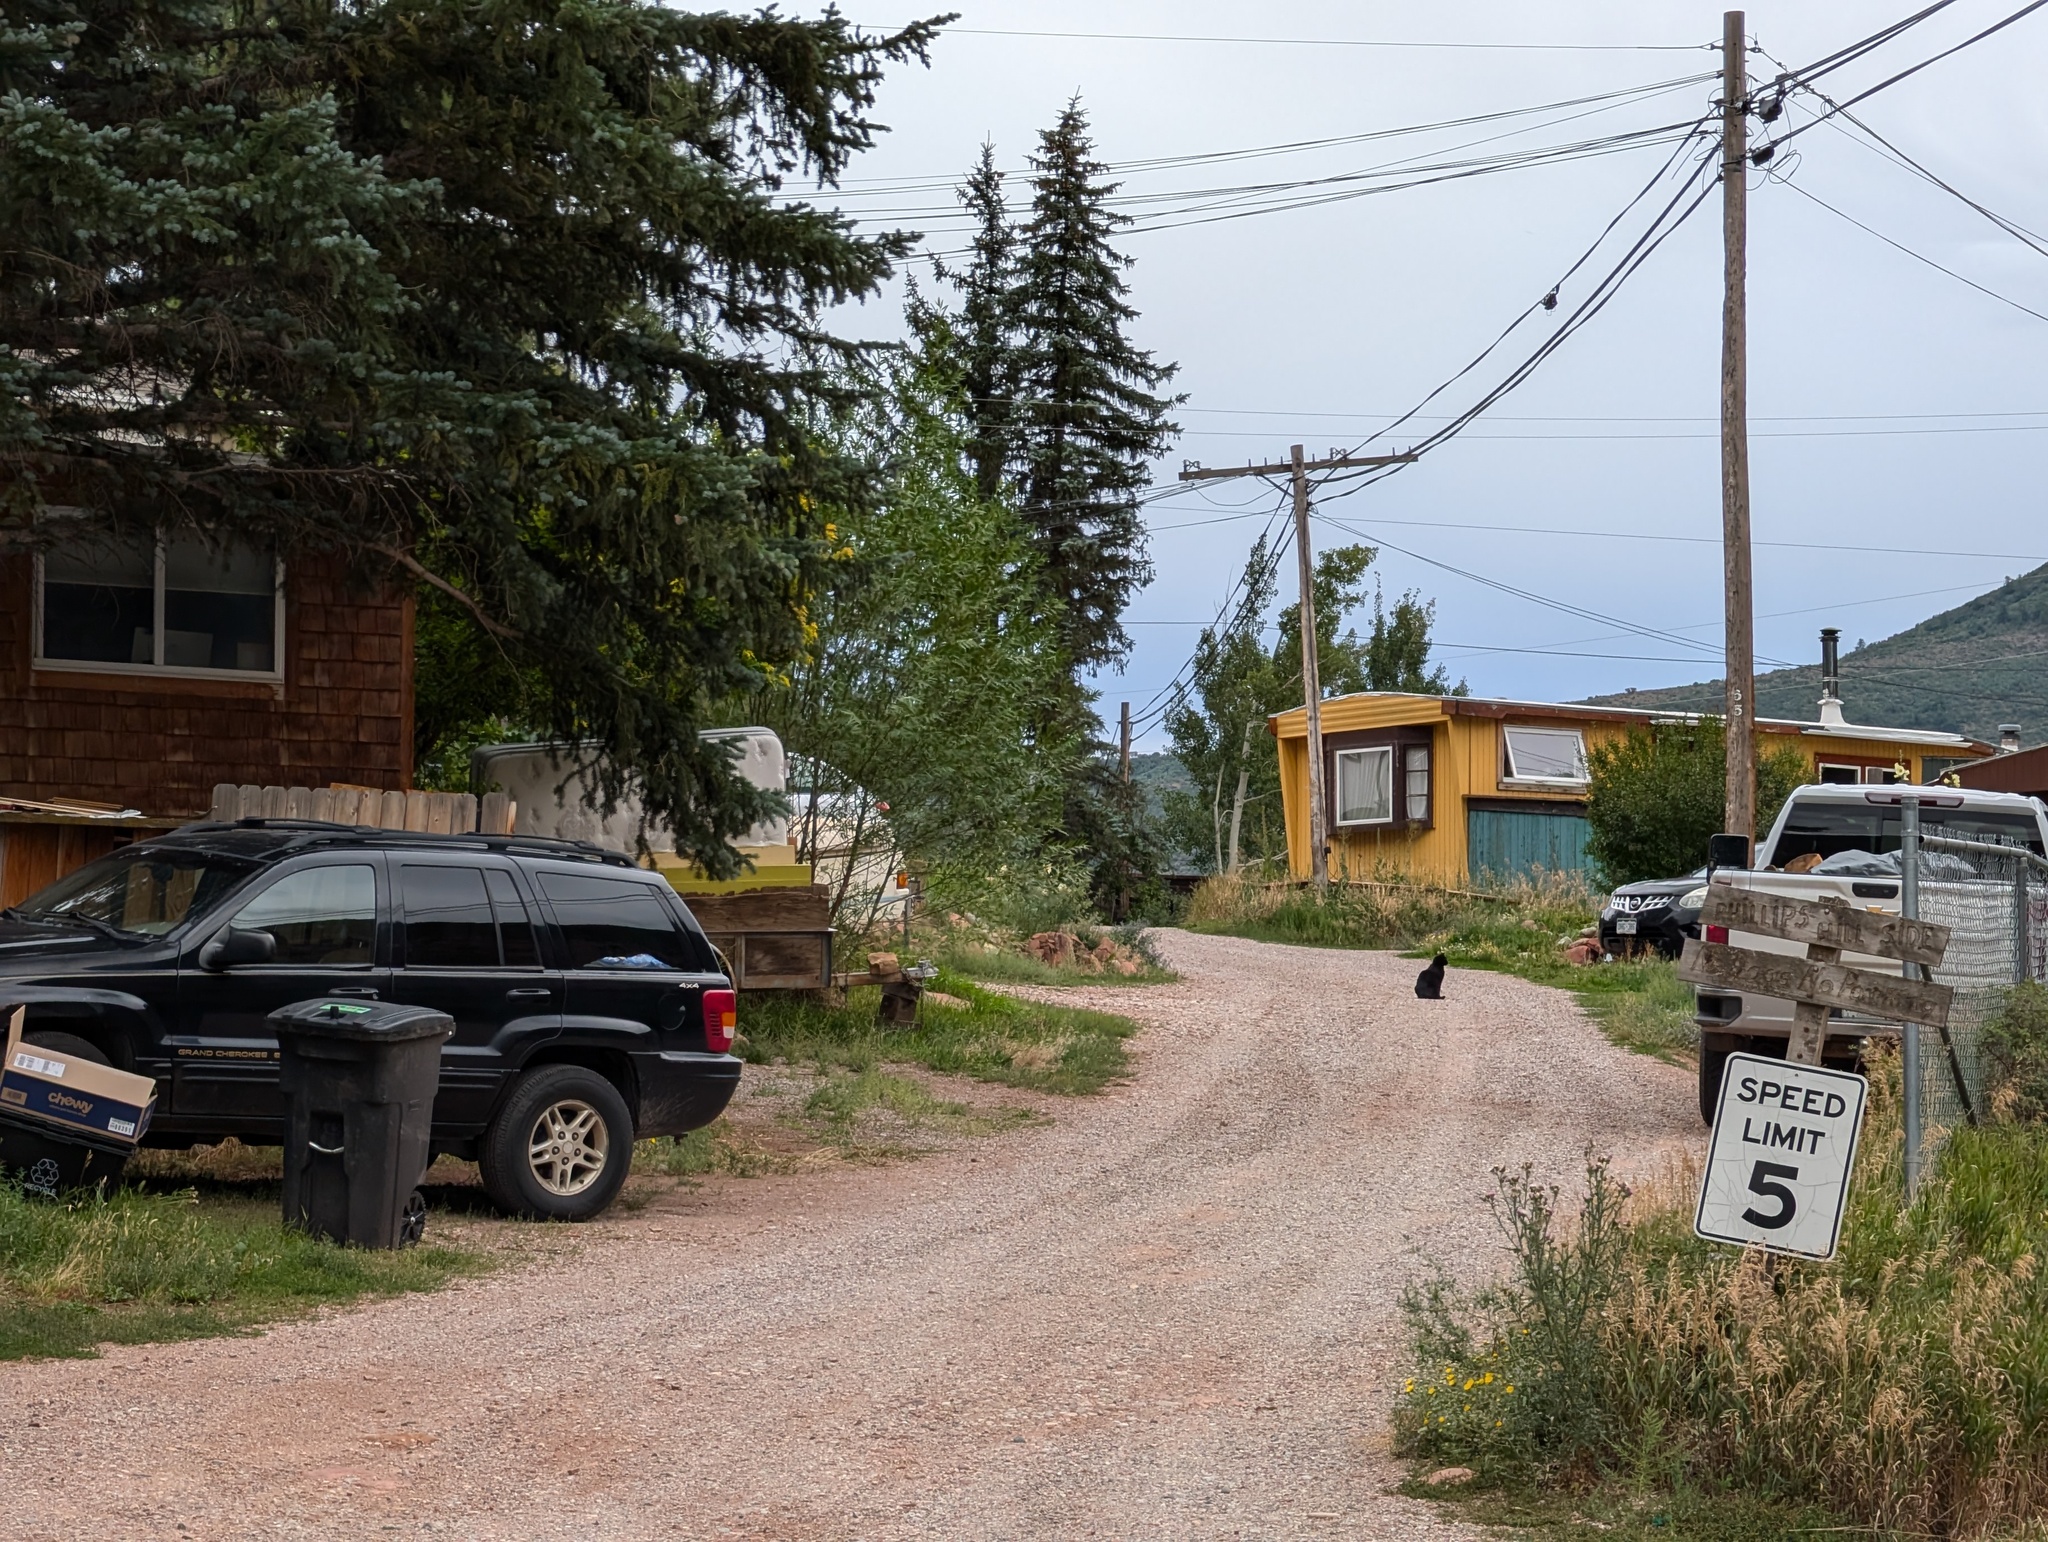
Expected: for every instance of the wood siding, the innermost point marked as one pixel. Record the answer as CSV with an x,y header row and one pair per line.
x,y
160,743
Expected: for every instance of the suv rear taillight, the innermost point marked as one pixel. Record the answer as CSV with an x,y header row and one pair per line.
x,y
721,1020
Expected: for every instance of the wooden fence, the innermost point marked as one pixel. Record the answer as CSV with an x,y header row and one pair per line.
x,y
431,813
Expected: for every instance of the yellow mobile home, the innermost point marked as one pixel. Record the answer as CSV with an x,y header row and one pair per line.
x,y
1461,789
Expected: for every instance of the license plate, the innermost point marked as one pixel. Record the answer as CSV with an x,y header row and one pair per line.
x,y
1625,926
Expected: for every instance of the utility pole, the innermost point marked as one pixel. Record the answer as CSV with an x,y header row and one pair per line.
x,y
1740,639
1311,677
1124,737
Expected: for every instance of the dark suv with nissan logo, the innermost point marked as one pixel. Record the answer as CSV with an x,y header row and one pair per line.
x,y
589,1008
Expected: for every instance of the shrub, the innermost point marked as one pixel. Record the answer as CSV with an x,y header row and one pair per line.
x,y
1658,793
2014,1044
1388,914
1904,1385
1513,1379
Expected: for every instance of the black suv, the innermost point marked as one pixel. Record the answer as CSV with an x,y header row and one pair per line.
x,y
589,1007
1654,915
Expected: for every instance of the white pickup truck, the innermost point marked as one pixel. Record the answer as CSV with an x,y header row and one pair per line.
x,y
1841,842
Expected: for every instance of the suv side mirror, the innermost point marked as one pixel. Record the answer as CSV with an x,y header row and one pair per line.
x,y
238,946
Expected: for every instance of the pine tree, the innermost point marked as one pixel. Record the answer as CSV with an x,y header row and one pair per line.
x,y
1087,423
982,336
502,296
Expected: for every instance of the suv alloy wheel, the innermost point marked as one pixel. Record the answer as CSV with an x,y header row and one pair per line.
x,y
560,1148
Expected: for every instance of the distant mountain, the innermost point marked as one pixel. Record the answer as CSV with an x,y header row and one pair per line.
x,y
1157,775
1966,671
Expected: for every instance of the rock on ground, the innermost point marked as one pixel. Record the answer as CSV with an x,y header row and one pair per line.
x,y
1169,1314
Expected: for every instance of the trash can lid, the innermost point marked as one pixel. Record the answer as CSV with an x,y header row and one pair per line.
x,y
384,1021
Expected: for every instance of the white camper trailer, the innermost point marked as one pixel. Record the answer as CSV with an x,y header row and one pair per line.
x,y
555,798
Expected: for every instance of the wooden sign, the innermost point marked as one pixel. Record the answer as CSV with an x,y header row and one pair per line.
x,y
1828,926
1792,978
1819,981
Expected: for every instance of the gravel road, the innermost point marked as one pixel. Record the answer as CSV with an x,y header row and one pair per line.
x,y
1168,1314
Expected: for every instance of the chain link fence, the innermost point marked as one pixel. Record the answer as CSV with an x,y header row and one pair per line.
x,y
1994,900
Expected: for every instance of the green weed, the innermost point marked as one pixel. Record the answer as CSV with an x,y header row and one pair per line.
x,y
842,1099
994,1038
1521,929
2015,1047
1007,967
137,1267
1902,1387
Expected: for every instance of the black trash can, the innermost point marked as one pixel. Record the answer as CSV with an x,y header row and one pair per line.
x,y
359,1079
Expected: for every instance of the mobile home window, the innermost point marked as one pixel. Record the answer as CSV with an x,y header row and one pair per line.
x,y
1365,786
177,605
1416,757
1546,755
1837,775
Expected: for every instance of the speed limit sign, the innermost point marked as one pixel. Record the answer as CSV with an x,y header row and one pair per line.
x,y
1778,1166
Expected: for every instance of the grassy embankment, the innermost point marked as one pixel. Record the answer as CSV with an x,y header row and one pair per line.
x,y
1641,1005
991,1038
1629,1374
146,1265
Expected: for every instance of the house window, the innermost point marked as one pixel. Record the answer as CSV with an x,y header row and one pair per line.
x,y
1365,786
1547,755
1416,758
1842,774
176,605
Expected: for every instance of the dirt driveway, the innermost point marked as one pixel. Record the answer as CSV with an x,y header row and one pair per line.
x,y
1168,1314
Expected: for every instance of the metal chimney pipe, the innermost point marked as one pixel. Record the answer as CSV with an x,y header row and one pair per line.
x,y
2008,738
1830,678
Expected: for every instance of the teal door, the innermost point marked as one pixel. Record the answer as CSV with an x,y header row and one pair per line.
x,y
1520,842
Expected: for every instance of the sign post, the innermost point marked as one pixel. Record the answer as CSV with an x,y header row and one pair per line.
x,y
1785,1130
1778,1167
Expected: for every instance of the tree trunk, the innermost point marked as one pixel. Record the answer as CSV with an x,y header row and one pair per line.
x,y
1244,777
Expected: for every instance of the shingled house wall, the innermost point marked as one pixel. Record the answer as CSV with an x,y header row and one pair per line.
x,y
159,743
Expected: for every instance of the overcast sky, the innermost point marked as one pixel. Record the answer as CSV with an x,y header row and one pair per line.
x,y
1318,325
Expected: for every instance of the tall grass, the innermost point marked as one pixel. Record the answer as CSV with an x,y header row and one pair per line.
x,y
994,1038
134,1267
1519,928
1904,1385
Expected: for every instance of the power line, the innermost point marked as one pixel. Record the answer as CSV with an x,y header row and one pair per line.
x,y
1341,42
1505,417
1811,72
860,187
1892,152
1800,433
1644,535
1655,634
1920,257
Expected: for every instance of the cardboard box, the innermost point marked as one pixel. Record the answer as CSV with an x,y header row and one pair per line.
x,y
64,1093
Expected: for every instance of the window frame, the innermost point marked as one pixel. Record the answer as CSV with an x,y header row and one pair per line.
x,y
231,907
665,898
1508,778
1395,794
156,668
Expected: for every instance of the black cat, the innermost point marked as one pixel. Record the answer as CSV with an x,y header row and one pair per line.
x,y
1429,985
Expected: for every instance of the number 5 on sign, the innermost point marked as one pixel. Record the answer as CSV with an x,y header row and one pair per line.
x,y
1783,1148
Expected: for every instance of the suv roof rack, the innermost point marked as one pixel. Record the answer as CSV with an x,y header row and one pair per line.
x,y
512,845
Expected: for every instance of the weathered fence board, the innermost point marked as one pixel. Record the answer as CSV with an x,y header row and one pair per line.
x,y
1812,980
435,813
1823,925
